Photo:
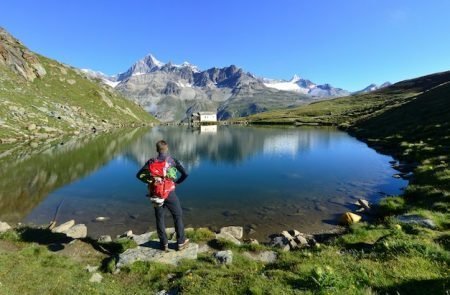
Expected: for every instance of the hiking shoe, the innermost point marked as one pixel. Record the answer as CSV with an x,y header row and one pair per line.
x,y
183,246
164,247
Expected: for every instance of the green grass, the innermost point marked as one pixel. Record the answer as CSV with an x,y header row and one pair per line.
x,y
62,99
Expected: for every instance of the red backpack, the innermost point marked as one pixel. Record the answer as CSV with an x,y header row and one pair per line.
x,y
161,185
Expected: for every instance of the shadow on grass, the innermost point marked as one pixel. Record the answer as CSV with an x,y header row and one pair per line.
x,y
42,236
435,286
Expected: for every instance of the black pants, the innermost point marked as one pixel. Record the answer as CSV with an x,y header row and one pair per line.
x,y
174,207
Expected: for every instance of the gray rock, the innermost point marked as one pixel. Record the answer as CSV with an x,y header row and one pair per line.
x,y
204,248
224,257
264,256
235,231
64,227
144,253
96,278
4,227
91,268
301,240
143,238
228,237
416,219
127,234
364,204
280,242
78,231
104,239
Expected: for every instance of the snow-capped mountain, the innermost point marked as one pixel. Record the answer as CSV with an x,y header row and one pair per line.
x,y
174,91
305,86
108,80
373,87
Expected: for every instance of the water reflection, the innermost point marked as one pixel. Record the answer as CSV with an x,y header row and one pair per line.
x,y
28,174
269,177
231,144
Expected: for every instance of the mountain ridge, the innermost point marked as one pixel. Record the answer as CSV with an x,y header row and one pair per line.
x,y
172,92
42,98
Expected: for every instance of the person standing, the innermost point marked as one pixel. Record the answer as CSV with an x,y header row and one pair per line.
x,y
159,174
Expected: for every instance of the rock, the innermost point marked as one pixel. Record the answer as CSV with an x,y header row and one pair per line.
x,y
235,231
104,239
91,268
204,248
101,218
301,240
71,81
31,127
228,237
264,256
78,231
280,242
349,218
291,241
253,241
144,253
417,219
64,227
4,227
230,213
127,234
143,238
224,257
96,278
364,204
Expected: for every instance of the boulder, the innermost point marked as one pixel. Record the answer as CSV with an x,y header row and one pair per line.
x,y
280,242
127,234
204,248
64,227
264,256
143,238
235,231
104,239
145,253
96,278
349,218
364,204
89,268
78,231
416,219
228,237
4,227
224,257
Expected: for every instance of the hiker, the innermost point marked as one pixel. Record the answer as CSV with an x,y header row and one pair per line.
x,y
160,175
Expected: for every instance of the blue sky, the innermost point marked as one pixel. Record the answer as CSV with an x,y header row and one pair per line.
x,y
348,43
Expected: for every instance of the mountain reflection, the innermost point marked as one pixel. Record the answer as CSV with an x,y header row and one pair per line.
x,y
230,144
29,175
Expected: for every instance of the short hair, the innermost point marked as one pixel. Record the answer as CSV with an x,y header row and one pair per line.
x,y
162,146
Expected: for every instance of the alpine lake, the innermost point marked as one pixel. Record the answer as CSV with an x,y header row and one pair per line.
x,y
266,179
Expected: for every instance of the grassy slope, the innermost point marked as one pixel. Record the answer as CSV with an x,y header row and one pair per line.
x,y
346,111
80,103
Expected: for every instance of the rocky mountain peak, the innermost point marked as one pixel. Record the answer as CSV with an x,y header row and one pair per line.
x,y
295,79
18,58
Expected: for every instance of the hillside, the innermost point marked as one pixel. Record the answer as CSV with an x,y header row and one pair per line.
x,y
346,111
41,98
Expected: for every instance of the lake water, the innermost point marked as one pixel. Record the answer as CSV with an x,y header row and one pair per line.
x,y
266,178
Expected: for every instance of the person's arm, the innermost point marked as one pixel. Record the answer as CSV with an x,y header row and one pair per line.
x,y
182,171
144,174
